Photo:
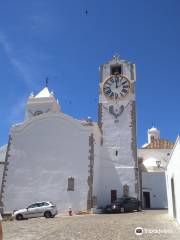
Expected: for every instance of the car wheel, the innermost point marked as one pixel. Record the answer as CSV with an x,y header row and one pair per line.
x,y
19,217
47,214
122,209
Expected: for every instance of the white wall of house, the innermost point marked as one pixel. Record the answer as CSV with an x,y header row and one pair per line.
x,y
150,156
173,175
155,184
44,152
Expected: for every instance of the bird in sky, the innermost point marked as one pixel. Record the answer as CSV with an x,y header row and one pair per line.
x,y
86,12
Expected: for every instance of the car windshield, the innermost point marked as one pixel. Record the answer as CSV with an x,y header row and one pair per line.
x,y
119,200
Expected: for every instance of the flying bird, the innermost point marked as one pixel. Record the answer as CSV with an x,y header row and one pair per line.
x,y
86,12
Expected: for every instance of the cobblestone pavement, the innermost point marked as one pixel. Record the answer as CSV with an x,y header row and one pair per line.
x,y
106,227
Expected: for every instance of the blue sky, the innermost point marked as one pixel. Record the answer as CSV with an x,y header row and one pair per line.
x,y
57,39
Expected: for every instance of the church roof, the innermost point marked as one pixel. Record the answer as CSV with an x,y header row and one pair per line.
x,y
159,144
44,93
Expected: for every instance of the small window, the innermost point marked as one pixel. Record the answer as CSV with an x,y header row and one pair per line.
x,y
45,204
116,70
70,184
38,113
40,204
152,138
116,152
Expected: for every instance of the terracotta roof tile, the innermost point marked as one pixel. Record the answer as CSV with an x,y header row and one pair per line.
x,y
159,144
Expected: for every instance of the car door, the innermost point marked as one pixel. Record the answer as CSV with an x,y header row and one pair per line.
x,y
126,204
133,204
42,208
34,210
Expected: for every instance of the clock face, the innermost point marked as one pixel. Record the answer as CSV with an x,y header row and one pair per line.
x,y
116,87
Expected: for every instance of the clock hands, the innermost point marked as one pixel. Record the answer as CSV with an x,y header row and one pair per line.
x,y
116,87
116,81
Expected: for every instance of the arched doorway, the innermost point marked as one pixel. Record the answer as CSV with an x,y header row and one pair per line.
x,y
173,197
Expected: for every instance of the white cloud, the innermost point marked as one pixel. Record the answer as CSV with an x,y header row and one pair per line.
x,y
23,72
21,68
17,111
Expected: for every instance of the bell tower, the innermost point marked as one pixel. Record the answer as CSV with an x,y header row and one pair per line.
x,y
117,122
43,102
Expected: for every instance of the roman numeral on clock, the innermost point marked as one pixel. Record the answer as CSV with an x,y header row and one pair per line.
x,y
124,82
124,90
108,91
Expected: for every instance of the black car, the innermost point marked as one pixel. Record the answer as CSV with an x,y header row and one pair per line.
x,y
124,204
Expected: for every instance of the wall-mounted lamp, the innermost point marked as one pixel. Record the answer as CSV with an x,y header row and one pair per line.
x,y
158,163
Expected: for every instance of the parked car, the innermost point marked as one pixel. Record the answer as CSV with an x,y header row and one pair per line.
x,y
39,209
124,204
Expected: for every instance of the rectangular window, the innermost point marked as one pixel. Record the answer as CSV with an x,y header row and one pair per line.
x,y
116,70
70,184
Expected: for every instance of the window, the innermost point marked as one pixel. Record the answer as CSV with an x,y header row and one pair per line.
x,y
116,70
116,152
152,138
70,184
38,113
33,205
46,204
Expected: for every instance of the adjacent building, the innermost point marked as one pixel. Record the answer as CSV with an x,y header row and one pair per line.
x,y
173,179
153,160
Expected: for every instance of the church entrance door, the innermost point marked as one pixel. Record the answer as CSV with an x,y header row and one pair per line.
x,y
146,199
113,195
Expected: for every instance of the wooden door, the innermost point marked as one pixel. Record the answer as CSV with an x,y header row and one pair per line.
x,y
113,195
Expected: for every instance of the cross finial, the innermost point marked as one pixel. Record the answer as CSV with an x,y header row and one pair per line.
x,y
47,81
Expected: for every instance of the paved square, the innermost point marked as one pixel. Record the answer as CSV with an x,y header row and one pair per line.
x,y
105,227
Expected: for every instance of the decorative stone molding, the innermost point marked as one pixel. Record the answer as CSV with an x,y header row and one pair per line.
x,y
100,112
5,172
125,190
91,172
134,146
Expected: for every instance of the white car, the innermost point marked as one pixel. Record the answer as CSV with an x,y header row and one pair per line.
x,y
39,209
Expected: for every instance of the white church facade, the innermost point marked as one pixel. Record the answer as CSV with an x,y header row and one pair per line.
x,y
75,163
82,164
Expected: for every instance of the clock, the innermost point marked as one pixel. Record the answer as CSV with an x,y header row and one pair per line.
x,y
116,86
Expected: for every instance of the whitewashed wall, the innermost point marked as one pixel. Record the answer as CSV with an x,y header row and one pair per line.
x,y
45,151
116,171
173,171
155,183
150,156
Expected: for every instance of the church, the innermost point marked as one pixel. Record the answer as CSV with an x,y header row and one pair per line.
x,y
80,163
